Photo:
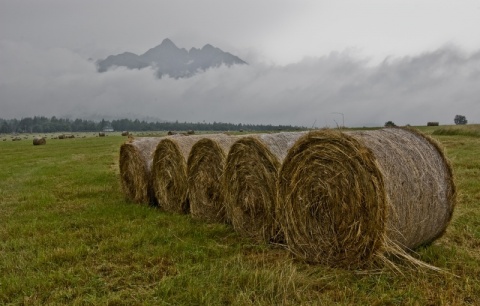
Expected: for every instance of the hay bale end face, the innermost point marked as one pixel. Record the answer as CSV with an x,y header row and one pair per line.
x,y
250,183
205,171
135,164
349,199
169,172
38,141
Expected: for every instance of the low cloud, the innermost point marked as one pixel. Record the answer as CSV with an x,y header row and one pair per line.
x,y
324,91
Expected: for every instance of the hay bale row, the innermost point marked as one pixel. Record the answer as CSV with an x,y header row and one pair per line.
x,y
348,199
179,173
250,183
66,136
136,156
342,199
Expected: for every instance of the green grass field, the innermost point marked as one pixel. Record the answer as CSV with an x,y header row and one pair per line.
x,y
67,236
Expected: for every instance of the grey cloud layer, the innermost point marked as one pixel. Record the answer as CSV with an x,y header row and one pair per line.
x,y
433,86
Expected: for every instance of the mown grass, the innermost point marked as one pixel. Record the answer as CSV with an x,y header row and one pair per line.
x,y
67,236
472,130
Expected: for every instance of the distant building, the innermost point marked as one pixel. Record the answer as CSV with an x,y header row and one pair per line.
x,y
108,128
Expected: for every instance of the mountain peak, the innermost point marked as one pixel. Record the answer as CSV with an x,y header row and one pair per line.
x,y
167,43
170,60
208,46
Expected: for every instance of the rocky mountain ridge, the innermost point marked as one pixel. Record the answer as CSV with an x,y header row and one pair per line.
x,y
169,60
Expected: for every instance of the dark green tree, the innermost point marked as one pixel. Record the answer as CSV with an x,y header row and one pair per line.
x,y
389,124
5,128
460,119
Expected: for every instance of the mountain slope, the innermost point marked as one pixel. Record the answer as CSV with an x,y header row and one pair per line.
x,y
168,59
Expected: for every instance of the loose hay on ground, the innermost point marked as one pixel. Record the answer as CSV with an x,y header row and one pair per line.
x,y
250,182
348,199
205,167
135,163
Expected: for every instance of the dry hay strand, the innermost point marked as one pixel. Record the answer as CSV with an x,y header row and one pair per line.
x,y
136,156
38,141
250,183
351,199
169,172
204,172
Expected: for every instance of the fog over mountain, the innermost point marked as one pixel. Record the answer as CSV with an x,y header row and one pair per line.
x,y
320,91
311,63
168,59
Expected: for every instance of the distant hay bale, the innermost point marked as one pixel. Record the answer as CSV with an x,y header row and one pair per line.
x,y
135,164
204,172
101,134
432,123
169,172
16,138
250,180
65,136
125,133
190,132
349,199
38,141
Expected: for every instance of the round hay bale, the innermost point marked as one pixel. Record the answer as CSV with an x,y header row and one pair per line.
x,y
250,183
204,172
169,172
135,164
101,134
38,141
16,138
349,199
125,133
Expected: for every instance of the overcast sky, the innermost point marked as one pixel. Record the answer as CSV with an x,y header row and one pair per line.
x,y
361,62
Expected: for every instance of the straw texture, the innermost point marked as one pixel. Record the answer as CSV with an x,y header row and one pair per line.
x,y
135,164
169,171
250,183
205,172
348,199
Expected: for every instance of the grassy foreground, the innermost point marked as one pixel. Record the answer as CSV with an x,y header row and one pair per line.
x,y
67,236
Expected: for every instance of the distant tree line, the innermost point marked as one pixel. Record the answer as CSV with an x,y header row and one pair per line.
x,y
49,125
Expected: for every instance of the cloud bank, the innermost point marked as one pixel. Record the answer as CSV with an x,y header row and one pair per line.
x,y
323,91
